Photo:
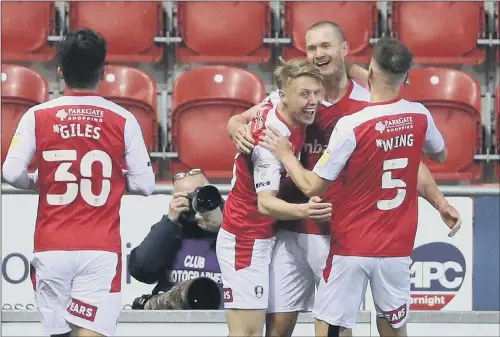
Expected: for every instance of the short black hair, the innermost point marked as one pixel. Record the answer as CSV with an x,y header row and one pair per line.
x,y
392,56
334,26
81,56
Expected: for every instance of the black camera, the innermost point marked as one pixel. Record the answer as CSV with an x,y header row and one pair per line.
x,y
201,200
140,302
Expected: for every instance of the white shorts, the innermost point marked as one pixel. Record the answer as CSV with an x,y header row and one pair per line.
x,y
339,297
296,268
77,288
244,265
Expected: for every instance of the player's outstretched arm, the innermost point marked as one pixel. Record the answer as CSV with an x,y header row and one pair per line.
x,y
21,151
356,72
428,189
140,176
276,208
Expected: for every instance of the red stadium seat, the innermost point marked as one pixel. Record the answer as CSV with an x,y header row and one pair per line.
x,y
358,20
22,88
129,27
135,91
223,32
25,28
440,32
454,99
203,99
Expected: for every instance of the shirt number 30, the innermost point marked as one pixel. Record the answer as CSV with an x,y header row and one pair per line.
x,y
85,189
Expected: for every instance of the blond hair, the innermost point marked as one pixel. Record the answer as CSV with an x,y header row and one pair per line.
x,y
289,70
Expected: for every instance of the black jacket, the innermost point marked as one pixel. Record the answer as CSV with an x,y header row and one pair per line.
x,y
149,261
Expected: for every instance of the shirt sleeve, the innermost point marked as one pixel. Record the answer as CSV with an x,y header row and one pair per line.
x,y
266,170
434,141
21,151
23,144
140,175
340,147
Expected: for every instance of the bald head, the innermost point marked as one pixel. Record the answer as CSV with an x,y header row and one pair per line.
x,y
189,183
337,31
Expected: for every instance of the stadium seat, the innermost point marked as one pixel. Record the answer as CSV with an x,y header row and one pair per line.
x,y
135,91
223,32
22,88
454,100
358,19
440,32
203,100
129,27
25,28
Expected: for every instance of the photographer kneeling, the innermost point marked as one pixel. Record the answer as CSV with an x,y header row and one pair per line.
x,y
179,251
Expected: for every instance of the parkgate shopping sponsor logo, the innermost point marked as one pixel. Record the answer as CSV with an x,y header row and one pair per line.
x,y
437,274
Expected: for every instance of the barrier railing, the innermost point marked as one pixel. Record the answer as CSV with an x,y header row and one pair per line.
x,y
213,323
218,316
488,190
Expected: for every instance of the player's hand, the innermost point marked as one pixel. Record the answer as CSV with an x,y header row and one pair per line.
x,y
451,218
179,204
276,143
319,211
243,139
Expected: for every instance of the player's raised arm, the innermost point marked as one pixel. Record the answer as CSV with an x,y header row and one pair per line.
x,y
21,151
340,147
435,148
267,174
307,181
140,176
238,128
356,72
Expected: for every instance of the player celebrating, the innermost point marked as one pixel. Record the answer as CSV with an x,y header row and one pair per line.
x,y
302,247
373,231
83,143
245,241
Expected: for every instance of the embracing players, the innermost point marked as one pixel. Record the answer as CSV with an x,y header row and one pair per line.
x,y
302,246
377,153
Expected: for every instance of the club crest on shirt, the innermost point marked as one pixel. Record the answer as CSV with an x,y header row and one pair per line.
x,y
259,291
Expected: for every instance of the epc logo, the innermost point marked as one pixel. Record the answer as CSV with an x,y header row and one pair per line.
x,y
437,273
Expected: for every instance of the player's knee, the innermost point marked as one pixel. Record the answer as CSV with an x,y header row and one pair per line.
x,y
239,326
280,324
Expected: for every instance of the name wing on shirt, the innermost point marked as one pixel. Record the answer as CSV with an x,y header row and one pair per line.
x,y
395,125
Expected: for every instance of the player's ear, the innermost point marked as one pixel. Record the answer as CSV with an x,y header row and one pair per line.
x,y
370,77
345,48
282,95
60,73
103,73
